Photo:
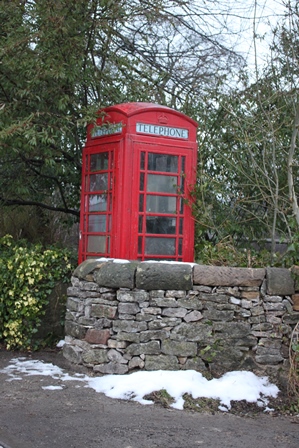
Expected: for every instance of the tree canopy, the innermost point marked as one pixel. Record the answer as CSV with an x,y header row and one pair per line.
x,y
61,61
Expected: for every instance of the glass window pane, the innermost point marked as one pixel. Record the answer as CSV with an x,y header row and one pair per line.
x,y
180,246
160,225
159,246
97,202
141,197
98,182
140,224
142,160
97,223
160,204
96,244
163,184
140,244
182,184
183,163
181,206
141,181
99,162
181,226
162,162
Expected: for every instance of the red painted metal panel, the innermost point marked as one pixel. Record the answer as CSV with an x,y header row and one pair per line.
x,y
137,187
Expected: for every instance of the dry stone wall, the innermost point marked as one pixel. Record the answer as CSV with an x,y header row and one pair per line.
x,y
122,316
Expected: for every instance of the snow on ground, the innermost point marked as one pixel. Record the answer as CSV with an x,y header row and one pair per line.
x,y
237,385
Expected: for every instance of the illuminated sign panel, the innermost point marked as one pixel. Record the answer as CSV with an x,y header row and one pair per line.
x,y
164,131
100,131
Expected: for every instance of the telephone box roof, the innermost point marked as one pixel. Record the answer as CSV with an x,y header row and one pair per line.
x,y
130,109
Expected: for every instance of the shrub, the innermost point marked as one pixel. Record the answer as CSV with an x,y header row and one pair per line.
x,y
28,273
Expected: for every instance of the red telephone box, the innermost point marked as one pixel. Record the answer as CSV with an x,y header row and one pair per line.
x,y
139,163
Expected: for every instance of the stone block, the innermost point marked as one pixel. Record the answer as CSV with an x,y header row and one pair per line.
x,y
100,310
279,282
74,304
127,337
85,269
193,316
214,298
179,348
250,295
272,306
194,331
115,356
168,276
268,358
132,296
116,275
227,276
195,363
126,316
72,353
75,330
136,363
275,299
175,294
295,298
111,368
164,322
169,302
215,315
95,356
94,336
88,286
112,343
161,362
291,319
159,335
190,303
128,308
230,330
147,348
174,312
129,326
257,311
152,310
157,294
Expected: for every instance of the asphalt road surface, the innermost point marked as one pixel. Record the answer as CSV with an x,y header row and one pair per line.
x,y
79,417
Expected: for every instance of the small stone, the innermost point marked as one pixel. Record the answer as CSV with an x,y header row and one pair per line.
x,y
193,316
114,356
235,301
128,308
136,362
179,348
148,348
97,336
174,312
250,295
99,310
112,368
161,362
112,343
95,356
72,353
176,293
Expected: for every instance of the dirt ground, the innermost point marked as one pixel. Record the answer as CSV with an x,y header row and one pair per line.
x,y
78,417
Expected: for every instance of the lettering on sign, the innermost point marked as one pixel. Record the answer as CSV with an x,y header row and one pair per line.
x,y
164,131
106,129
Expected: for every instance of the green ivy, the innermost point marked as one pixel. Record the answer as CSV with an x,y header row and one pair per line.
x,y
28,274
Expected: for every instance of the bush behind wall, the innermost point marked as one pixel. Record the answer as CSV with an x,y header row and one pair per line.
x,y
28,275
